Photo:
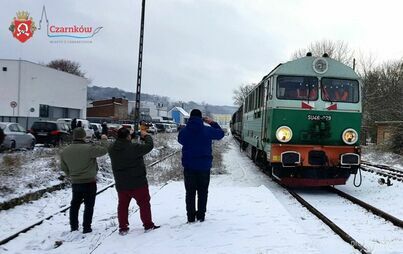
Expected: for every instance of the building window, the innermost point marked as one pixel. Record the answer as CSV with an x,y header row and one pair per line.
x,y
4,68
43,110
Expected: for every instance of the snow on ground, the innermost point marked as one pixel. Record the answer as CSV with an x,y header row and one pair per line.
x,y
239,220
373,232
247,213
372,154
27,171
386,198
243,217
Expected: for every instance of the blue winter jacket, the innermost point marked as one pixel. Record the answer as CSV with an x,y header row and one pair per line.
x,y
196,139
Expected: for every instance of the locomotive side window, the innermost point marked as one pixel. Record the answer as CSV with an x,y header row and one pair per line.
x,y
340,90
297,88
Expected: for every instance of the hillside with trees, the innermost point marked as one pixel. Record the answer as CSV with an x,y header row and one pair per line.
x,y
99,93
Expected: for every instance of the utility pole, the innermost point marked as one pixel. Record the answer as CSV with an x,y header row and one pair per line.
x,y
140,65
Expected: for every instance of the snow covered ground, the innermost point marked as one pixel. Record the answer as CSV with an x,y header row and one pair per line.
x,y
247,213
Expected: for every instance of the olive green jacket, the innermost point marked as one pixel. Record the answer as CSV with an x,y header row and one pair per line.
x,y
79,162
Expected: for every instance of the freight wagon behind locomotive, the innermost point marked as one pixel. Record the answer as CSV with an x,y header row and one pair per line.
x,y
303,120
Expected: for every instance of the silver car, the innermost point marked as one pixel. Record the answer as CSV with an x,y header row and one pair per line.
x,y
16,136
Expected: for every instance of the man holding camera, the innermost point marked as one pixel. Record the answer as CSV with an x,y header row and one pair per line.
x,y
196,140
129,172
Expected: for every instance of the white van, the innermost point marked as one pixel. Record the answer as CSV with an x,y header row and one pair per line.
x,y
84,123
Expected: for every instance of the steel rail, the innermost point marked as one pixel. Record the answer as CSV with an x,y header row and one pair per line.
x,y
397,222
340,232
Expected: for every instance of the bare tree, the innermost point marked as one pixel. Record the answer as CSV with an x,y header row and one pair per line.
x,y
67,66
382,97
338,50
241,92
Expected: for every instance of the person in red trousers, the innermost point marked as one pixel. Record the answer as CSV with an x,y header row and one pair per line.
x,y
129,172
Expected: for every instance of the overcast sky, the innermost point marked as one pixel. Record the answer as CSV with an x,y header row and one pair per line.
x,y
202,50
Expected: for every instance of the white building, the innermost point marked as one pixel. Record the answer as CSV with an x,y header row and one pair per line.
x,y
37,91
149,108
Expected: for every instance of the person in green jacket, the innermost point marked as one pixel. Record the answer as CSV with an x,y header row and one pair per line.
x,y
79,162
129,172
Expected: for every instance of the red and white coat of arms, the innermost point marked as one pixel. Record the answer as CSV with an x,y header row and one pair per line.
x,y
22,27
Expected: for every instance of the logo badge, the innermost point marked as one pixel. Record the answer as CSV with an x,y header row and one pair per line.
x,y
22,26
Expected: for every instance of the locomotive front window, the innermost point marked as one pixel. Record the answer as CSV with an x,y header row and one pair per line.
x,y
297,88
340,90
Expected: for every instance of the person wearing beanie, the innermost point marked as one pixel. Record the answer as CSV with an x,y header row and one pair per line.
x,y
196,140
79,163
130,173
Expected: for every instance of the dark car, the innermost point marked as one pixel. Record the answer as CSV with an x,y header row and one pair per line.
x,y
51,133
160,127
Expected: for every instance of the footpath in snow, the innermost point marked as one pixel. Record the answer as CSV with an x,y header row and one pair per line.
x,y
239,220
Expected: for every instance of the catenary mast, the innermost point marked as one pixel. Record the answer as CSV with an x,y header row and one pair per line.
x,y
140,65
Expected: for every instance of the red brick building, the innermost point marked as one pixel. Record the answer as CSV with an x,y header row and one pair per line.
x,y
115,108
385,130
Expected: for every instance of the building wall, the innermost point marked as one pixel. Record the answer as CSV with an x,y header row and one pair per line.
x,y
116,108
222,119
39,85
176,116
148,107
8,87
101,111
384,134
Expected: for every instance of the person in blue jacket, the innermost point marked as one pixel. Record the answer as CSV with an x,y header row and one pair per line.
x,y
196,139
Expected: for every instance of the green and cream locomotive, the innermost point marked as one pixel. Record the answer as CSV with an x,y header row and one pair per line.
x,y
304,119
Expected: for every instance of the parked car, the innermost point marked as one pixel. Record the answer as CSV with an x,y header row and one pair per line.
x,y
84,123
152,129
113,129
169,128
50,133
16,137
160,127
130,127
97,128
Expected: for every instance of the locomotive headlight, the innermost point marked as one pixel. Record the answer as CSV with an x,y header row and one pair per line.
x,y
350,136
284,134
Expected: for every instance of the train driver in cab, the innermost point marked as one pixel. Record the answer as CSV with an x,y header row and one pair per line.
x,y
341,94
303,92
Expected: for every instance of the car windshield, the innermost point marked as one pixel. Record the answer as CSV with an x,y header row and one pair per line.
x,y
44,126
297,88
2,125
340,90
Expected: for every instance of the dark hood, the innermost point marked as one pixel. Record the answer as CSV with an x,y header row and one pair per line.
x,y
121,144
195,123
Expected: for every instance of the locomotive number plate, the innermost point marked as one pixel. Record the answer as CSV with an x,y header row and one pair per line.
x,y
319,117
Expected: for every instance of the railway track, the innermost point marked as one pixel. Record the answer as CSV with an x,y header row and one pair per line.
x,y
379,214
347,237
383,170
36,195
40,221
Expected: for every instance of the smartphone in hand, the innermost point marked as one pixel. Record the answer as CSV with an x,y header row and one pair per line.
x,y
207,119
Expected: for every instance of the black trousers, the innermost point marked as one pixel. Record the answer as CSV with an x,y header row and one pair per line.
x,y
196,182
82,192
